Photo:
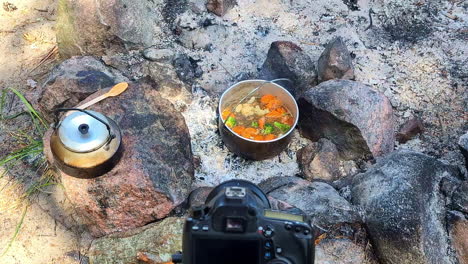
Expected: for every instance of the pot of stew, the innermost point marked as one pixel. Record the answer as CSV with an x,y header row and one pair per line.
x,y
257,125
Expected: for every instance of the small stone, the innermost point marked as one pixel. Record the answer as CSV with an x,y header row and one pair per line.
x,y
463,144
320,160
154,54
287,60
9,7
404,209
335,62
154,243
357,119
410,129
220,7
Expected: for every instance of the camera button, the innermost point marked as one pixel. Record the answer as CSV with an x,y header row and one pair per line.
x,y
268,255
268,244
279,250
288,226
195,228
306,232
298,229
268,232
205,228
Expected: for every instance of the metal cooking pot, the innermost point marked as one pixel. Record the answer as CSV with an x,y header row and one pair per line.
x,y
85,144
248,148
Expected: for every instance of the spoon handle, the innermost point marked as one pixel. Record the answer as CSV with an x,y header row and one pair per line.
x,y
95,100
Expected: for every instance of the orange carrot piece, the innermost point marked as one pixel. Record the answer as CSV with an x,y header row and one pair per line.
x,y
281,110
261,122
288,120
238,129
226,113
267,98
269,137
273,104
274,114
259,138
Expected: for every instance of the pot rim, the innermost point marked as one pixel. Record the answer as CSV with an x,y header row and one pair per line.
x,y
251,140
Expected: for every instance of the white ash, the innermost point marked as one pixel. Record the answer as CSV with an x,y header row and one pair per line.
x,y
217,163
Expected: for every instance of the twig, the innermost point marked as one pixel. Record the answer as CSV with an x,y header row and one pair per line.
x,y
225,69
370,19
51,53
41,10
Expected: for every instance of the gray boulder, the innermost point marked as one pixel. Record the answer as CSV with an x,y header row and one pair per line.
x,y
317,199
75,79
97,27
335,62
357,119
285,59
405,209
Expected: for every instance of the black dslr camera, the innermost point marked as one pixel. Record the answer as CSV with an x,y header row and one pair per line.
x,y
236,226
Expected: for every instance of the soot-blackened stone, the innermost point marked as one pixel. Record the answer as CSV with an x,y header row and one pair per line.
x,y
335,62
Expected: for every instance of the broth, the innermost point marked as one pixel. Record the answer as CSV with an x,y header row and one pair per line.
x,y
260,118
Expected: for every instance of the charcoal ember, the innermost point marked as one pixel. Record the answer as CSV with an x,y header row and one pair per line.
x,y
187,68
357,119
287,60
463,144
410,129
154,174
404,208
75,79
220,7
335,62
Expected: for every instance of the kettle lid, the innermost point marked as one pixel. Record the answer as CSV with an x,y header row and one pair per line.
x,y
81,132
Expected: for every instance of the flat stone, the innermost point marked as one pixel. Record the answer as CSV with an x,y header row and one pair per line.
x,y
357,119
335,62
154,54
285,59
404,209
75,79
154,243
103,26
154,174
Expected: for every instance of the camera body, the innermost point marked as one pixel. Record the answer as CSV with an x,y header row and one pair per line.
x,y
237,226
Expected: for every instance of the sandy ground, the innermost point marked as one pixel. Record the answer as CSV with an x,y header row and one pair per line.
x,y
26,38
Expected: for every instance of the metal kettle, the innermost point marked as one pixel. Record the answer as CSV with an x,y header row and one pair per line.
x,y
85,144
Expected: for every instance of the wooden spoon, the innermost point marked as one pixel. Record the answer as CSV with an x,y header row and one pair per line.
x,y
114,91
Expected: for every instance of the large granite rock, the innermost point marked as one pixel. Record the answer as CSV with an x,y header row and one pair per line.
x,y
357,119
404,208
317,199
154,174
75,79
335,62
95,27
154,243
287,60
458,230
